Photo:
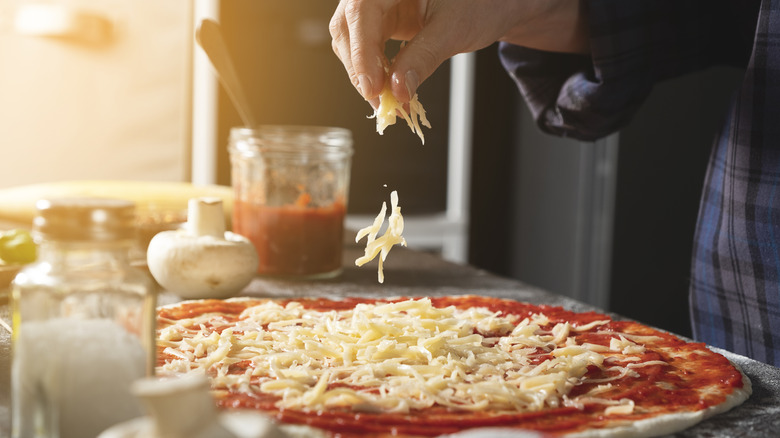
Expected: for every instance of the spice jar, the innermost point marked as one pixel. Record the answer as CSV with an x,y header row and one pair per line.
x,y
291,185
83,322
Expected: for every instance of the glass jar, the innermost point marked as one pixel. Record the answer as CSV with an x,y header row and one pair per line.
x,y
291,186
83,322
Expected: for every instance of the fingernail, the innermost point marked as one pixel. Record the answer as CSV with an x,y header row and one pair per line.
x,y
412,82
364,83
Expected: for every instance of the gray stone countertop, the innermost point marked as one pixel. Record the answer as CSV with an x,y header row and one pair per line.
x,y
413,273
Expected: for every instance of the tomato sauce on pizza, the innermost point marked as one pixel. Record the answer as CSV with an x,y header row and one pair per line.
x,y
419,367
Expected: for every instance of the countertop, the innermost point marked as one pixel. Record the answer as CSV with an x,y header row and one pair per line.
x,y
415,273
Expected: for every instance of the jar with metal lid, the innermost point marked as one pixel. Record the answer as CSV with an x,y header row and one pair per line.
x,y
291,185
83,322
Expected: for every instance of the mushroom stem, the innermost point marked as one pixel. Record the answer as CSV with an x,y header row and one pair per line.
x,y
205,217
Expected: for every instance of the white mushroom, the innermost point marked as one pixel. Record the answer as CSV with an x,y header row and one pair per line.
x,y
184,407
202,260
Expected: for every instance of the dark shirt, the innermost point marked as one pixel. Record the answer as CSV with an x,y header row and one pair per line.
x,y
735,274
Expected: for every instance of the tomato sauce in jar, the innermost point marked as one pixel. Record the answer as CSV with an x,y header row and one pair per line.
x,y
291,185
293,240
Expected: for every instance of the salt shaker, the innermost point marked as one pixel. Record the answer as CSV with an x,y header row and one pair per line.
x,y
83,322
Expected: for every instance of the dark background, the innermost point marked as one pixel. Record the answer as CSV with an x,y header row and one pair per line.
x,y
284,57
283,54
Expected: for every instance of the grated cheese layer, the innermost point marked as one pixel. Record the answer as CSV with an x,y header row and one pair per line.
x,y
399,357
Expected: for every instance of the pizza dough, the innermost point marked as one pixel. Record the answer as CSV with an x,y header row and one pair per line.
x,y
438,366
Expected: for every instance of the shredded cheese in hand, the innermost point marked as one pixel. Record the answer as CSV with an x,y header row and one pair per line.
x,y
392,236
389,107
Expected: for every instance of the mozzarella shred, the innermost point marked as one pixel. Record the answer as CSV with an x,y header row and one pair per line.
x,y
386,113
381,245
397,357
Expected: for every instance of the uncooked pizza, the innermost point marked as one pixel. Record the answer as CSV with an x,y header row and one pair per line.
x,y
421,367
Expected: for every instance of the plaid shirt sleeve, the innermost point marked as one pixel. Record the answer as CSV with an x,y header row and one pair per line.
x,y
634,44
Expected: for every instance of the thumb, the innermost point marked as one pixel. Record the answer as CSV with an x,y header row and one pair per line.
x,y
417,61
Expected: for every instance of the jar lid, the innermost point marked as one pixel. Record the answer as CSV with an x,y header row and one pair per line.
x,y
84,219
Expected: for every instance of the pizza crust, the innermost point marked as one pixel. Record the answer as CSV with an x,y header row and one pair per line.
x,y
652,427
671,423
661,424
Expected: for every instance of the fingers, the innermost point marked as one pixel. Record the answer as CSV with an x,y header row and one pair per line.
x,y
435,31
449,27
366,20
421,56
339,32
357,29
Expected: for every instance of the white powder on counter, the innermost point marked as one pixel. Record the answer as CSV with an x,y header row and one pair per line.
x,y
77,373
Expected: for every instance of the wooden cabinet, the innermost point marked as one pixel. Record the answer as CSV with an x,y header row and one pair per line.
x,y
94,90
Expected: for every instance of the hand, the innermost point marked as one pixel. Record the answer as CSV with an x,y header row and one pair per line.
x,y
439,29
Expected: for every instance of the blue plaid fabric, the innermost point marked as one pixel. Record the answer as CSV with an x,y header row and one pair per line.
x,y
735,273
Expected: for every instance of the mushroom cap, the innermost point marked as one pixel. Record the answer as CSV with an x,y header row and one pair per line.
x,y
199,267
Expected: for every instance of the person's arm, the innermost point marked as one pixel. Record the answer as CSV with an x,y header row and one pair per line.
x,y
634,44
435,30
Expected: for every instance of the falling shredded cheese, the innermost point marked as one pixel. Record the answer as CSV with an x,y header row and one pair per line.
x,y
396,357
381,246
389,107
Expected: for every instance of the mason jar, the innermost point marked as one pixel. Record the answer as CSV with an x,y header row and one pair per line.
x,y
83,322
291,187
